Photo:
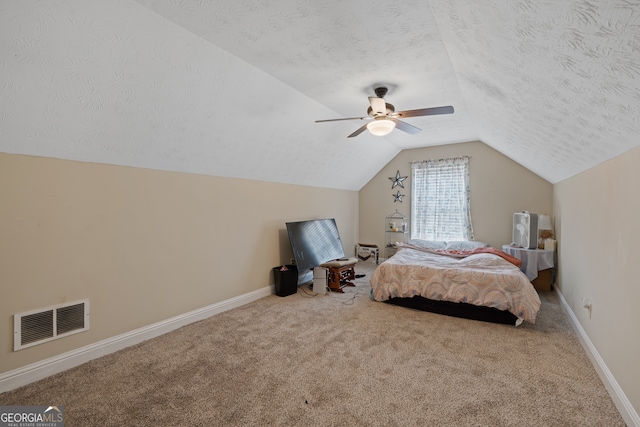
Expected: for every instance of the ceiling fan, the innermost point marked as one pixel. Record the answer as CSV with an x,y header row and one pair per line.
x,y
384,116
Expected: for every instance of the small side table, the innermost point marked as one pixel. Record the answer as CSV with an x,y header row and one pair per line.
x,y
341,271
339,277
537,264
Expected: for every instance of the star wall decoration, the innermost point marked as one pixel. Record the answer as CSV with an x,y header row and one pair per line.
x,y
397,180
398,197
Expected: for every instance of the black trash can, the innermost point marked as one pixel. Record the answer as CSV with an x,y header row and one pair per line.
x,y
286,280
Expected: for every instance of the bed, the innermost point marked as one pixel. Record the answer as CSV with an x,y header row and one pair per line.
x,y
478,283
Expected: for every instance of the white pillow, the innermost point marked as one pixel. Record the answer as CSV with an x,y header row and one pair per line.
x,y
465,245
430,244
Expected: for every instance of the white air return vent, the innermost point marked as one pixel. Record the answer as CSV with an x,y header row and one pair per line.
x,y
40,326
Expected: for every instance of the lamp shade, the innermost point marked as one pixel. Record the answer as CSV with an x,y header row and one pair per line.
x,y
381,127
544,222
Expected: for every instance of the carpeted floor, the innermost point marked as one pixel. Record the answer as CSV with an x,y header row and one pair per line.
x,y
338,359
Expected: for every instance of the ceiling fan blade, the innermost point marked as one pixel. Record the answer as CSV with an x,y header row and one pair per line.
x,y
425,112
378,105
359,131
406,127
337,120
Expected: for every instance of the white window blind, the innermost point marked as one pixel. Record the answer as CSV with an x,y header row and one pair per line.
x,y
440,200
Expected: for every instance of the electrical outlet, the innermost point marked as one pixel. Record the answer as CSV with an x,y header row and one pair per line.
x,y
292,261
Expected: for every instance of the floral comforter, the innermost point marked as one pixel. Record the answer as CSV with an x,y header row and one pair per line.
x,y
484,279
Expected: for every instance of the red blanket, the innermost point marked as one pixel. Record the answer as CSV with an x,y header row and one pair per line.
x,y
463,254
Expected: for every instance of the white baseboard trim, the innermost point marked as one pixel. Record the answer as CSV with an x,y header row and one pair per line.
x,y
621,401
39,370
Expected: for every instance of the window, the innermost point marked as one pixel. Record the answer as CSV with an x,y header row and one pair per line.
x,y
440,200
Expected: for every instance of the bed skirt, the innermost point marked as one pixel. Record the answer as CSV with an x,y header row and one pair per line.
x,y
457,309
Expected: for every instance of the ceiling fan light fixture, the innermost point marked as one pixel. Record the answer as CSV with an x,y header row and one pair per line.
x,y
381,127
386,118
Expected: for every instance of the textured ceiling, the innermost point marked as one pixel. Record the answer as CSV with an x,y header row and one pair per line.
x,y
233,87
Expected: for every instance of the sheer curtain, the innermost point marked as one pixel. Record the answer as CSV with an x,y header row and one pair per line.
x,y
440,208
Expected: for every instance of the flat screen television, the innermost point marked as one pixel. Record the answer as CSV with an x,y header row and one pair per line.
x,y
314,242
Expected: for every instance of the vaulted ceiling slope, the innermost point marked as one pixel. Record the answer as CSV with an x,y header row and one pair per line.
x,y
233,87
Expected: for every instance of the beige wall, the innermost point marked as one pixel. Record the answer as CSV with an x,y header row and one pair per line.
x,y
147,245
499,187
142,245
596,214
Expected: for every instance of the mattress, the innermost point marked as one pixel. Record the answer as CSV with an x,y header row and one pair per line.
x,y
484,279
